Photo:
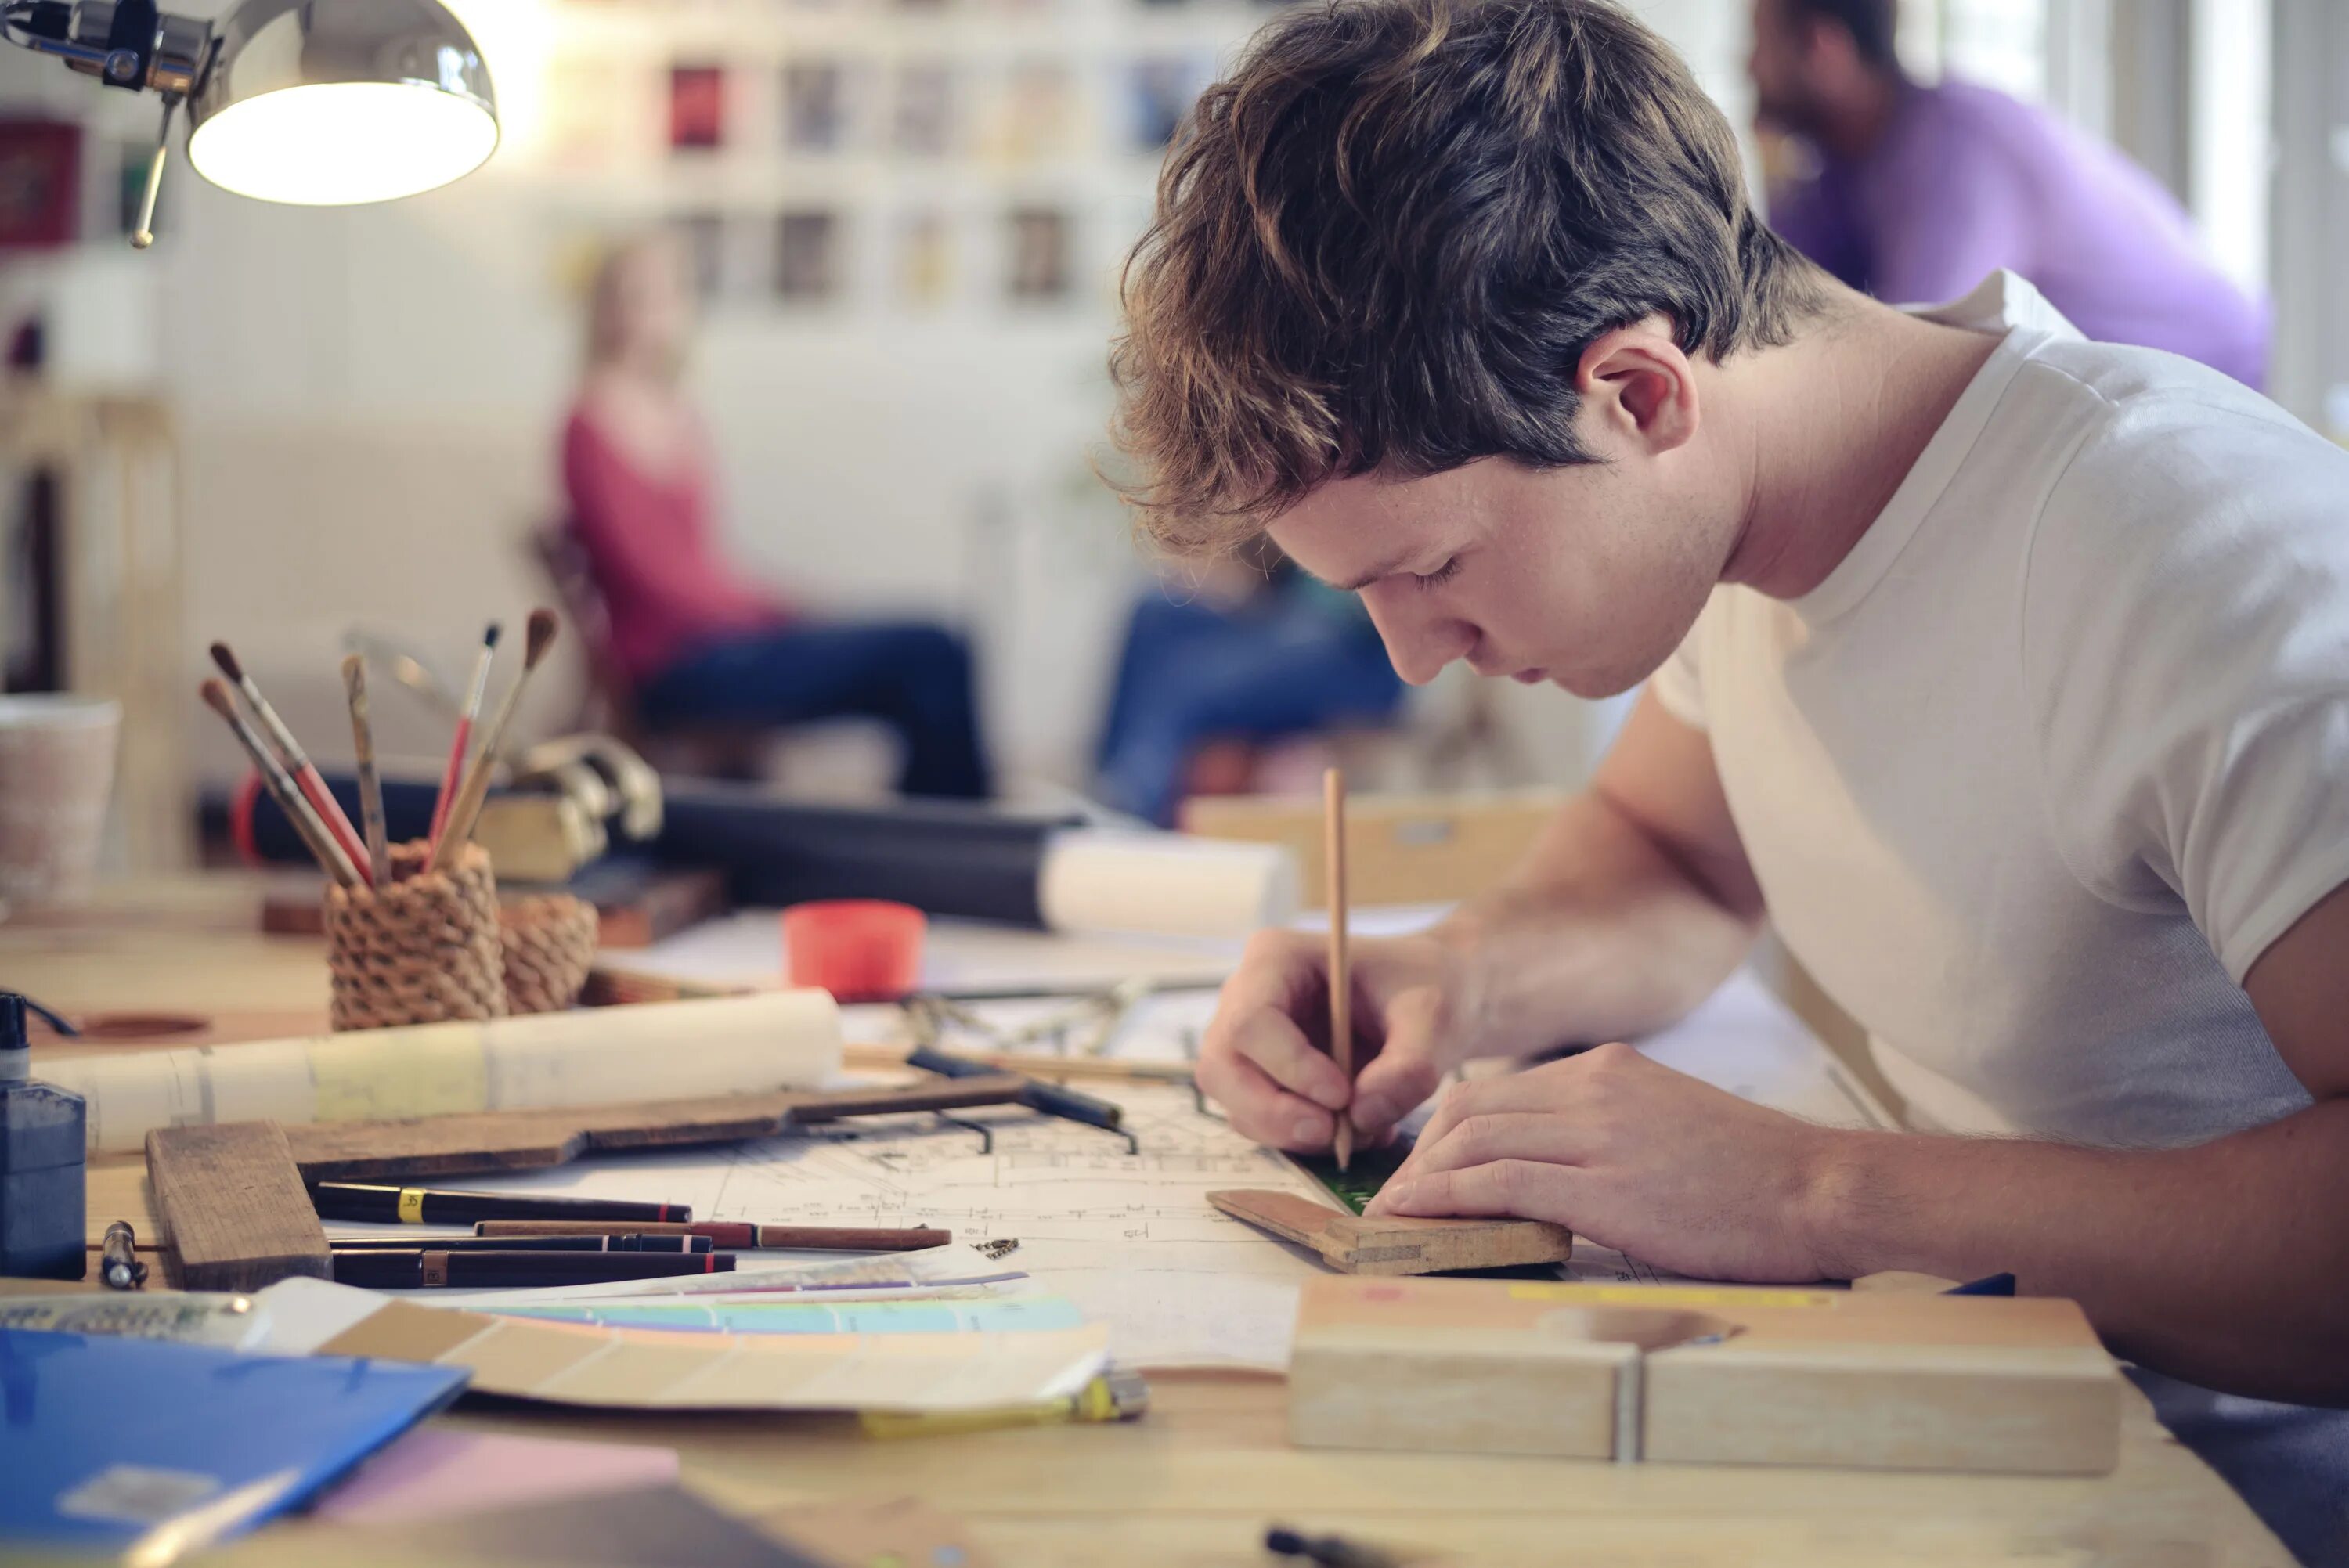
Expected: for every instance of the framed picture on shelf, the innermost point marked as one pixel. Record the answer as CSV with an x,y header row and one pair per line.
x,y
1039,239
924,259
697,107
921,108
1160,91
702,237
1038,111
807,255
816,106
40,183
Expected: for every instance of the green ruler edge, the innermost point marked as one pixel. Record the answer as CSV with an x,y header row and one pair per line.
x,y
1355,1187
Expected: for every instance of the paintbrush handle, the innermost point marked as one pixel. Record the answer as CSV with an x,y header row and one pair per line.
x,y
449,776
280,785
330,816
379,849
459,830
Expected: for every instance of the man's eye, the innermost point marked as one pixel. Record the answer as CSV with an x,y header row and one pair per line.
x,y
1439,576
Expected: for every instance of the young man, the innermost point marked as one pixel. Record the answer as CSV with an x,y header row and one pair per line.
x,y
2008,673
1918,191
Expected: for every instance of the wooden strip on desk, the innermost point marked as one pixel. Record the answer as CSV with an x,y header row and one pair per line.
x,y
534,1139
237,1211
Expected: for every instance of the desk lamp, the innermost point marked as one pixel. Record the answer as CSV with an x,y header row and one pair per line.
x,y
321,103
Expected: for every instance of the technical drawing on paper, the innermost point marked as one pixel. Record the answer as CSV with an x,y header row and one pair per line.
x,y
1074,1196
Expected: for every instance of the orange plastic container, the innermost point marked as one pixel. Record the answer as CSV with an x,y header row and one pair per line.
x,y
860,950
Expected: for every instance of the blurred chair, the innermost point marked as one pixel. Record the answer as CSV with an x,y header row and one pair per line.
x,y
707,751
846,759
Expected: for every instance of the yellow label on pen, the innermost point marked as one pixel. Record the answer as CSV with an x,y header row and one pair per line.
x,y
411,1205
1669,1295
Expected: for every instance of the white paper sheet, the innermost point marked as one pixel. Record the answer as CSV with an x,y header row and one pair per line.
x,y
1072,1195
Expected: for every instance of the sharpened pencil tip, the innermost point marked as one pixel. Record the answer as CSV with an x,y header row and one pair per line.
x,y
227,662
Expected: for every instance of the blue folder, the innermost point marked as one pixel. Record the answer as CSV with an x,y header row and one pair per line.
x,y
106,1444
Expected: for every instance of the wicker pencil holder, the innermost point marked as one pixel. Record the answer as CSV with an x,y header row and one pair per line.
x,y
425,950
550,945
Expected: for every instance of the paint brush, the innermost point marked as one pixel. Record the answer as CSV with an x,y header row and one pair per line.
x,y
466,716
306,777
539,637
370,783
280,785
1342,985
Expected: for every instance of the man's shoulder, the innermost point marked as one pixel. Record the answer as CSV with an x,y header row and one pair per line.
x,y
2178,487
2127,405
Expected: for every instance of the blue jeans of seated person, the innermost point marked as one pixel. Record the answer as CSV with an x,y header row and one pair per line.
x,y
913,676
1283,664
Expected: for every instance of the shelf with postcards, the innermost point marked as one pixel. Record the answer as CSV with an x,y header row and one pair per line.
x,y
911,158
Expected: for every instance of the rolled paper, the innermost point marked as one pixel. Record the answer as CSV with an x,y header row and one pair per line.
x,y
596,1056
1165,885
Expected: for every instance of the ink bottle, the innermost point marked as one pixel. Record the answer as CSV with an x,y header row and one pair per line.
x,y
41,1146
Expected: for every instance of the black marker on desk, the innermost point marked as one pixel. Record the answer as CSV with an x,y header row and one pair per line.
x,y
524,1245
1059,1100
1050,1099
430,1269
362,1200
1328,1551
946,1064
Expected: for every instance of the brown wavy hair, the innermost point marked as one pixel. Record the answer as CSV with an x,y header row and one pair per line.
x,y
1385,239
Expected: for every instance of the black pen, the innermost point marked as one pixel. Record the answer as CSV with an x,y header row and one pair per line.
x,y
430,1206
428,1269
524,1245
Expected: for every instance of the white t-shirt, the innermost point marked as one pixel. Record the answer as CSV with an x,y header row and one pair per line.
x,y
2040,770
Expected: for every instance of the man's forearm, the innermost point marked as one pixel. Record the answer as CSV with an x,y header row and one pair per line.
x,y
1600,935
2224,1264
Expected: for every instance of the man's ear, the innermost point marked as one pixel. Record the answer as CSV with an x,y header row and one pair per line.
x,y
1637,381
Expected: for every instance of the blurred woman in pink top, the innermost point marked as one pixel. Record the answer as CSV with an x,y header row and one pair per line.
x,y
698,641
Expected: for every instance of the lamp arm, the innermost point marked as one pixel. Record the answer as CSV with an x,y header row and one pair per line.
x,y
124,43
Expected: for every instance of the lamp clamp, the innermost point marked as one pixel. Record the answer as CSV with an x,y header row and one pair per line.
x,y
126,44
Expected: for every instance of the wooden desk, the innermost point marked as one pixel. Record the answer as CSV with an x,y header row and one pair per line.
x,y
1197,1480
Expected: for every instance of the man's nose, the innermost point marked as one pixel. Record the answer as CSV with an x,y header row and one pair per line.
x,y
1419,645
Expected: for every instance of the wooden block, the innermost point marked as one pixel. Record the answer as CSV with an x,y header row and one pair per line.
x,y
1877,1380
1395,1364
234,1206
1353,1244
1887,1380
1400,848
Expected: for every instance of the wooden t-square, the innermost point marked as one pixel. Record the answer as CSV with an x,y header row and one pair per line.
x,y
234,1200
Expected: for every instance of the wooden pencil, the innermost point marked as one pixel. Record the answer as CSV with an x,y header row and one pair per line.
x,y
370,783
298,767
281,788
466,718
1342,986
539,637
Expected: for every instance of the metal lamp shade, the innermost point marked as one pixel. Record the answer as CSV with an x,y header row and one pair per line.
x,y
330,103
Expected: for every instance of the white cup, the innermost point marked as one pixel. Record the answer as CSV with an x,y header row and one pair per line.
x,y
56,774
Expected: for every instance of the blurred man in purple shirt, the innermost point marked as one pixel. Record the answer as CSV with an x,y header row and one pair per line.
x,y
1920,192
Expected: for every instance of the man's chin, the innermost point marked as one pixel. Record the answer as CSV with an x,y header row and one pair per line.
x,y
1595,685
